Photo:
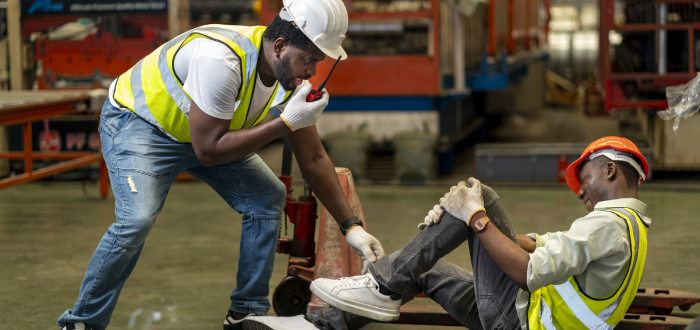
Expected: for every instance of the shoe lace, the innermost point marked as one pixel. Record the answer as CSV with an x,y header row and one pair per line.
x,y
360,280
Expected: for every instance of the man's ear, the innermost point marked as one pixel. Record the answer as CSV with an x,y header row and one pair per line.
x,y
610,170
279,45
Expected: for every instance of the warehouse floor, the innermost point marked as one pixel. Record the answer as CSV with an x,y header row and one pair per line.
x,y
48,232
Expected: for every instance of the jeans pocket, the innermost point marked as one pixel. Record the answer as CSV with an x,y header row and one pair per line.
x,y
493,316
113,120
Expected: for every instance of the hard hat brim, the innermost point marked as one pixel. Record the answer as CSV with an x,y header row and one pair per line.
x,y
334,53
571,175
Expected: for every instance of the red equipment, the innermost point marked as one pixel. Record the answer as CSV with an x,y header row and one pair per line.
x,y
643,86
512,25
121,41
86,63
316,93
385,70
292,294
517,24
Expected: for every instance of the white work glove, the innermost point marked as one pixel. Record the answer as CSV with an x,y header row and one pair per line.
x,y
433,217
299,114
365,245
464,200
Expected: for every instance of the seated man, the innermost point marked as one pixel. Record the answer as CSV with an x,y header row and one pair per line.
x,y
584,278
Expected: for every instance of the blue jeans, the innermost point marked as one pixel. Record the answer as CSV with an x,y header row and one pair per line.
x,y
484,299
143,163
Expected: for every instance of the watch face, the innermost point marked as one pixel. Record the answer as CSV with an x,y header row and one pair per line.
x,y
479,225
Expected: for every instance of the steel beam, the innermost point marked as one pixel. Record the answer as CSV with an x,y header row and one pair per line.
x,y
50,170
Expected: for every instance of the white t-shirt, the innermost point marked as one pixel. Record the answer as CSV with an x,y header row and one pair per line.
x,y
211,76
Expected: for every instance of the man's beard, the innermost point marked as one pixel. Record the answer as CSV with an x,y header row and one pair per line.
x,y
283,73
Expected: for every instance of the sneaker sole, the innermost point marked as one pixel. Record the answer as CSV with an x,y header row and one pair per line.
x,y
236,326
255,325
372,312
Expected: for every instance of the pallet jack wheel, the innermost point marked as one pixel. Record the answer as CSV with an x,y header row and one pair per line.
x,y
291,296
685,307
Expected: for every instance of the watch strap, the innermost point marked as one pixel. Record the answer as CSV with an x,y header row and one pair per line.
x,y
480,224
349,223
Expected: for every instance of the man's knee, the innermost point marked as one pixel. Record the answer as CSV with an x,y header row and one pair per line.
x,y
270,205
496,212
131,233
279,194
489,195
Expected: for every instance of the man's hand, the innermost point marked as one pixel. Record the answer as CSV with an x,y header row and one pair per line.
x,y
365,245
527,243
464,200
433,217
299,114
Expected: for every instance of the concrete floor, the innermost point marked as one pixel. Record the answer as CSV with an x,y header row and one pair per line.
x,y
187,269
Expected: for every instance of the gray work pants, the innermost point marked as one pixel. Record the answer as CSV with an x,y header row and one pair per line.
x,y
484,299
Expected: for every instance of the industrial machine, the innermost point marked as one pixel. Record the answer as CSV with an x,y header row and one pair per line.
x,y
414,66
293,294
85,47
645,46
79,45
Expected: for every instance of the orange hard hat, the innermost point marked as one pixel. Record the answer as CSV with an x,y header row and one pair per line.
x,y
613,147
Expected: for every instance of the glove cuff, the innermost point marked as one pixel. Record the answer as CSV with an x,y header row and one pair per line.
x,y
469,221
286,123
351,228
350,224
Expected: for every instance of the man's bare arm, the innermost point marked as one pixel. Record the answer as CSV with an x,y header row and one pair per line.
x,y
214,144
319,172
512,259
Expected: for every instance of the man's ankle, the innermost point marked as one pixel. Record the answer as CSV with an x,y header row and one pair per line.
x,y
387,292
238,315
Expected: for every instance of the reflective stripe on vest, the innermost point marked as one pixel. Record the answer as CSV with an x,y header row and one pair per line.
x,y
565,306
153,91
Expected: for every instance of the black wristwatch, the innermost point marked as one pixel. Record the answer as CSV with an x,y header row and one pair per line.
x,y
349,223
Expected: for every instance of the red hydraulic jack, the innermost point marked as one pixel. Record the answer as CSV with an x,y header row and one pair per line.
x,y
293,294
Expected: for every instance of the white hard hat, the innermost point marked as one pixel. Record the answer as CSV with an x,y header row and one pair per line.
x,y
325,22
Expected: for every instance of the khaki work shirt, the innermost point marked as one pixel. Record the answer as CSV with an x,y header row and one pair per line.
x,y
596,249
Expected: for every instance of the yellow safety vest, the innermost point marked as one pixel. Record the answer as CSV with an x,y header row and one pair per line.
x,y
565,306
154,92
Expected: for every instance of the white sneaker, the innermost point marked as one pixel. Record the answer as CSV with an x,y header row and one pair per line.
x,y
230,322
358,295
74,326
277,323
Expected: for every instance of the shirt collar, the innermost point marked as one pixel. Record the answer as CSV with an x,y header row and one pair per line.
x,y
632,203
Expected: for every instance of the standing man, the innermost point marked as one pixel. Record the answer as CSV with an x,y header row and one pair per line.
x,y
583,278
195,105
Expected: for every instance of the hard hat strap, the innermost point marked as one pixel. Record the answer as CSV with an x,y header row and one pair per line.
x,y
616,155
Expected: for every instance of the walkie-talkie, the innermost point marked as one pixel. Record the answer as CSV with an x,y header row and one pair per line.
x,y
316,93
